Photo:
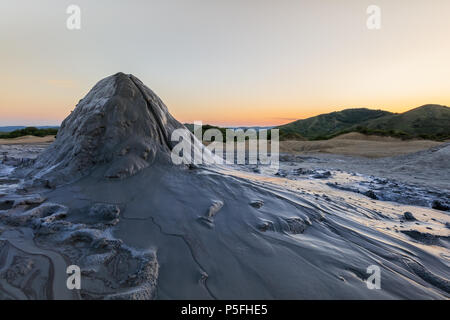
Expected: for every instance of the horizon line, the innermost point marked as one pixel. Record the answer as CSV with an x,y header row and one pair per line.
x,y
214,123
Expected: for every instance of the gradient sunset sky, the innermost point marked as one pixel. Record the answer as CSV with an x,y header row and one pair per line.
x,y
226,62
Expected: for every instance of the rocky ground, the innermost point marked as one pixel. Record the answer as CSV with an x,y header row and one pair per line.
x,y
31,225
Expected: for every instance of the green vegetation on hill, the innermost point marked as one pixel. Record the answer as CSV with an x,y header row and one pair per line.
x,y
288,135
430,122
328,124
29,131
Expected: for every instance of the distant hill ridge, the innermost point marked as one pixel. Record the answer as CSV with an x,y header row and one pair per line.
x,y
13,128
327,124
426,122
29,131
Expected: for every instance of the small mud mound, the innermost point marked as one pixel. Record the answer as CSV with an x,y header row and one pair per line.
x,y
208,218
294,225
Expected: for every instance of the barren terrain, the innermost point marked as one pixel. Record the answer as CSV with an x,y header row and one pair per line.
x,y
28,140
356,144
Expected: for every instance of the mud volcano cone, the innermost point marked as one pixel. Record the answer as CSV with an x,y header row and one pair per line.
x,y
120,124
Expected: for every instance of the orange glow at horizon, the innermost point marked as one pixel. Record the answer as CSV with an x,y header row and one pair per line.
x,y
24,110
49,101
228,63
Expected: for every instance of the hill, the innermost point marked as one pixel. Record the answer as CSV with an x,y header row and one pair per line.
x,y
10,128
14,128
426,122
328,124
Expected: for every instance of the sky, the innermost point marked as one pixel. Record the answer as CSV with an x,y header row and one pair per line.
x,y
226,62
